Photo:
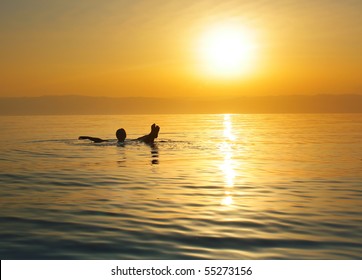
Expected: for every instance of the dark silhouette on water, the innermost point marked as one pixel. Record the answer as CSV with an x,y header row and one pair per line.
x,y
154,153
150,138
121,136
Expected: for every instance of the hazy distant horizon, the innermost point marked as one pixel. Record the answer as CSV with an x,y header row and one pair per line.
x,y
100,105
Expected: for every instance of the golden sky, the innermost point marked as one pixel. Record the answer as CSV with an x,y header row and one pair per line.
x,y
154,48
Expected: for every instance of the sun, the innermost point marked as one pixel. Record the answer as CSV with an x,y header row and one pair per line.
x,y
227,51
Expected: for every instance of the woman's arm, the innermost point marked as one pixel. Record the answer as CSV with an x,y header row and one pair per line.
x,y
94,139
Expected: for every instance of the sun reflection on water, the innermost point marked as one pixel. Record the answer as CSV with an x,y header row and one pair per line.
x,y
228,128
228,164
227,167
227,201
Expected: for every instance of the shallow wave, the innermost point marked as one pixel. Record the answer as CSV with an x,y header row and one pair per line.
x,y
74,240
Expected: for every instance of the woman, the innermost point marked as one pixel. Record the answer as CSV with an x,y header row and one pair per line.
x,y
121,136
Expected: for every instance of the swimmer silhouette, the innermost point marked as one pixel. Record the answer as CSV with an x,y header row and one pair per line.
x,y
121,136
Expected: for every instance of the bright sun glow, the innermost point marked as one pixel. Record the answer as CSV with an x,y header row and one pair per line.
x,y
227,51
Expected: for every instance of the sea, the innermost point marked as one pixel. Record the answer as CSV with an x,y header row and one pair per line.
x,y
218,186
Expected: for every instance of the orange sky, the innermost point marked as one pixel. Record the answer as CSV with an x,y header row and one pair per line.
x,y
150,48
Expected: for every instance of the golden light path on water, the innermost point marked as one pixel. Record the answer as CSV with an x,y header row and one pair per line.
x,y
228,164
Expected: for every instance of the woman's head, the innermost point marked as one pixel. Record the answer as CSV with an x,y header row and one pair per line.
x,y
121,135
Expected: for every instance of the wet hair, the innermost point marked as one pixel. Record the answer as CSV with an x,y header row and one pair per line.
x,y
121,135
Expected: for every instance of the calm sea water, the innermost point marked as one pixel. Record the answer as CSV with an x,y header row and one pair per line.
x,y
212,187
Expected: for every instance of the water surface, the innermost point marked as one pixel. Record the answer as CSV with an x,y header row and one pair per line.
x,y
212,187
